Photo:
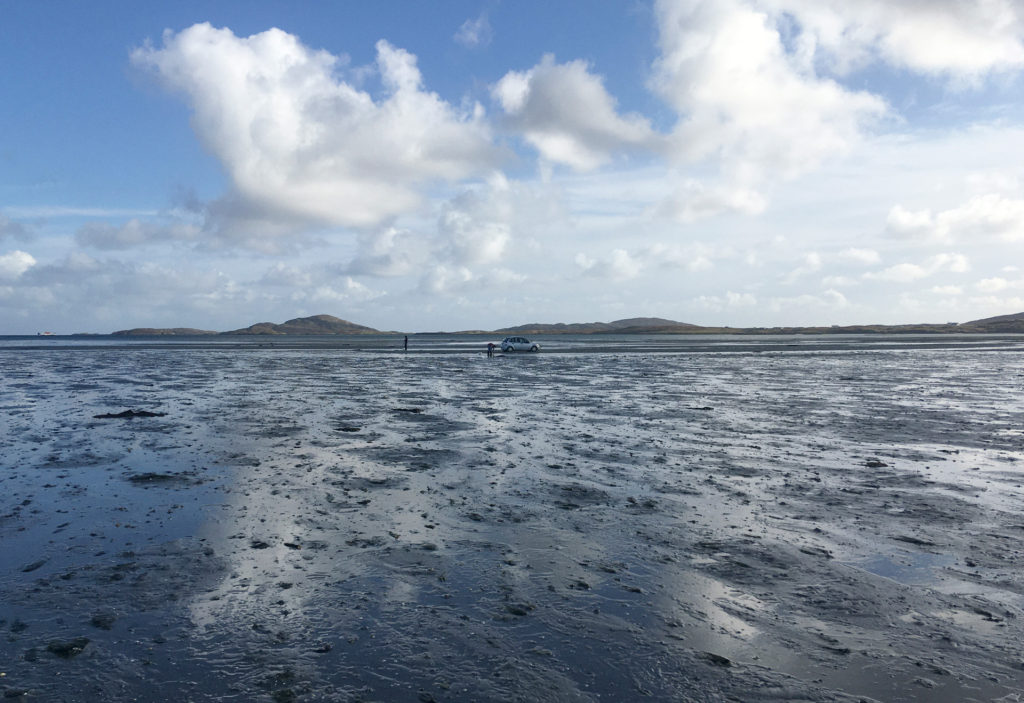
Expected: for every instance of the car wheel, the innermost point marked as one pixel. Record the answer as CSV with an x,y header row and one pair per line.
x,y
534,348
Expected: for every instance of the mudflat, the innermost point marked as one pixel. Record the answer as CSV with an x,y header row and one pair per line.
x,y
787,522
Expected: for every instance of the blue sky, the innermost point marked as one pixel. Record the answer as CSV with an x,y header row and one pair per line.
x,y
422,166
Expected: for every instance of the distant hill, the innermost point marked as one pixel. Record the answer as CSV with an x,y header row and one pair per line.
x,y
633,325
317,324
1000,323
328,324
154,331
1010,324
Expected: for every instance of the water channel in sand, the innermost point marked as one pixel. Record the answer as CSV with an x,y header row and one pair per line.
x,y
613,518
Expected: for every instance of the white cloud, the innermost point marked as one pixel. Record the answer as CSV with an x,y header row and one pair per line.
x,y
730,300
740,95
14,263
288,276
344,291
960,39
992,285
694,201
828,300
565,113
991,216
475,228
320,283
739,299
502,276
811,262
860,256
900,273
474,32
907,272
839,281
389,251
910,224
997,284
622,264
995,305
301,145
113,284
619,266
447,280
947,290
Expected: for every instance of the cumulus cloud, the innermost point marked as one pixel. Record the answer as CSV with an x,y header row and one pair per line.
x,y
288,276
102,235
692,257
503,276
907,272
730,300
389,251
958,39
320,283
479,226
998,284
991,216
301,144
619,266
998,306
810,263
483,224
14,263
564,111
474,32
839,281
443,279
80,276
828,300
859,256
475,228
742,96
344,290
622,264
694,201
992,285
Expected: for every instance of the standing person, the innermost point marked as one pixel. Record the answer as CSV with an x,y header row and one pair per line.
x,y
406,343
490,349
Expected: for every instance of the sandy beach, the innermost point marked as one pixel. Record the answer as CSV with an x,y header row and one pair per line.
x,y
795,521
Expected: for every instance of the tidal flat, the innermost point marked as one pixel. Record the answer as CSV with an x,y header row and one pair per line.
x,y
662,520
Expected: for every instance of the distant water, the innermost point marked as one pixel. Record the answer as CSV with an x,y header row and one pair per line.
x,y
560,343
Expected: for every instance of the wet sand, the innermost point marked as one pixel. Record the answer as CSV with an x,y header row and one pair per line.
x,y
327,524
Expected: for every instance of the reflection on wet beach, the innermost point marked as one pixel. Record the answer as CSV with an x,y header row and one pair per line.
x,y
835,520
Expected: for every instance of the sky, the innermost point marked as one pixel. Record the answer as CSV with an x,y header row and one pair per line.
x,y
419,166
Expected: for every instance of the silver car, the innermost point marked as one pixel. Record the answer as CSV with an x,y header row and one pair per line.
x,y
511,344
